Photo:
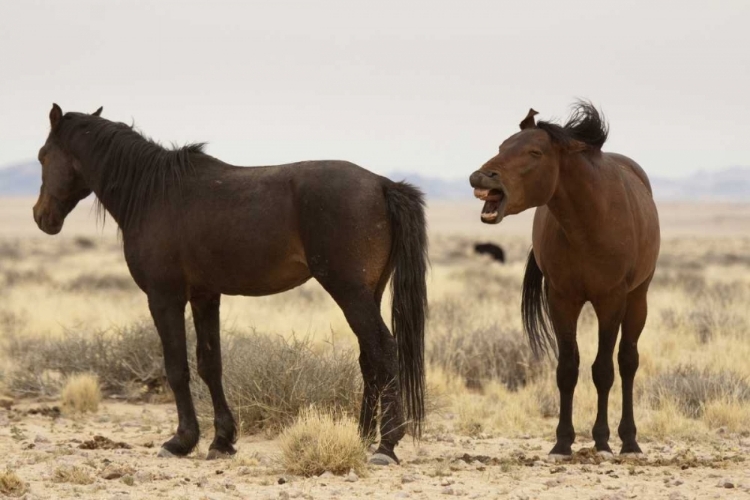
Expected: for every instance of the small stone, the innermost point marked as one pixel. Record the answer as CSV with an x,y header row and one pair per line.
x,y
676,495
244,471
143,476
408,478
229,485
402,494
327,475
41,439
351,477
283,495
447,491
726,483
282,480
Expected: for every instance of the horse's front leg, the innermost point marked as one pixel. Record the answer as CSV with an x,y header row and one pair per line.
x,y
168,312
208,346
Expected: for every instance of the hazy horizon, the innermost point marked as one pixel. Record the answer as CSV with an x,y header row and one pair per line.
x,y
424,87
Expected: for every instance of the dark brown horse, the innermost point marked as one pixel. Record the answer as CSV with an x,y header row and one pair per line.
x,y
194,228
595,239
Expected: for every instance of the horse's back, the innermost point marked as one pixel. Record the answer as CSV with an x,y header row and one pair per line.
x,y
629,164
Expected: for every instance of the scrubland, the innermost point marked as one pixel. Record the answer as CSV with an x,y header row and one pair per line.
x,y
74,329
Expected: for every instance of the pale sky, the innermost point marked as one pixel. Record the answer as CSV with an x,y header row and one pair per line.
x,y
425,86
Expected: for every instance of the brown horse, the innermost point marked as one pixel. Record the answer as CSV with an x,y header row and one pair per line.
x,y
595,239
194,228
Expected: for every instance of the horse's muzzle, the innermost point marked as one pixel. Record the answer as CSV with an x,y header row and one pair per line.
x,y
488,188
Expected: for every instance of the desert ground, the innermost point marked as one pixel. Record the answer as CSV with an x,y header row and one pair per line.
x,y
68,307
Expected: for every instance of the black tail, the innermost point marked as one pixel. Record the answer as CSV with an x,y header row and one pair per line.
x,y
409,290
535,310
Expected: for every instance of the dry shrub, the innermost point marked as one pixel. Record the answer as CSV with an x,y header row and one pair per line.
x,y
318,441
81,393
122,359
11,485
473,415
692,389
71,474
100,283
10,249
269,380
479,354
14,277
730,415
84,243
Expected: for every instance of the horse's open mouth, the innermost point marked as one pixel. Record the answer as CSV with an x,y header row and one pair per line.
x,y
493,204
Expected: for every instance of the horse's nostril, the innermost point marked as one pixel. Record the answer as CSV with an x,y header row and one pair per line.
x,y
490,174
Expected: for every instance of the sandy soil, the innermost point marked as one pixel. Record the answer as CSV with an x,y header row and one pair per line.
x,y
41,447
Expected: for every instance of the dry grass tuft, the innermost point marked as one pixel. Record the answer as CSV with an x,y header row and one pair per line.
x,y
318,442
11,485
71,474
81,393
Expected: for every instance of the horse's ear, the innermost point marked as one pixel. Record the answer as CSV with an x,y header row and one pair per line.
x,y
528,122
55,115
98,112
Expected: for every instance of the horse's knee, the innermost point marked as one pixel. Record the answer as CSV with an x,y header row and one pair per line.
x,y
628,358
603,373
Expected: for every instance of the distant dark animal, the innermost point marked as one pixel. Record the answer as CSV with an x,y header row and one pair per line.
x,y
194,228
490,249
595,239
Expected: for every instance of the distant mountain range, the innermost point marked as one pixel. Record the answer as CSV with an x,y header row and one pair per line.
x,y
730,184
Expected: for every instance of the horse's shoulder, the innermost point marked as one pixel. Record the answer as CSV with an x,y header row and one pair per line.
x,y
623,161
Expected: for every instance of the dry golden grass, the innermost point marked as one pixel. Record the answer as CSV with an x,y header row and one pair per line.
x,y
81,394
318,442
11,485
72,474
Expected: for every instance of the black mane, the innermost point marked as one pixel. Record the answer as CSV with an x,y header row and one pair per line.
x,y
134,170
585,124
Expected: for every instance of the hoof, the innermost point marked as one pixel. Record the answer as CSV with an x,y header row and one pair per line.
x,y
165,453
215,454
556,457
605,455
382,459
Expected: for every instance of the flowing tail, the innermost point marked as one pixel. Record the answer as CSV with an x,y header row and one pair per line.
x,y
535,310
409,291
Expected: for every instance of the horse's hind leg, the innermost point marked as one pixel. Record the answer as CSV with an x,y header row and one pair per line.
x,y
564,314
208,347
627,357
609,313
379,362
168,312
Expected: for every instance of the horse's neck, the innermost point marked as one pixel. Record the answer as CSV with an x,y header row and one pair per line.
x,y
91,169
579,200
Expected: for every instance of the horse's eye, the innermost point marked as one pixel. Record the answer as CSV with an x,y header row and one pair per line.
x,y
535,153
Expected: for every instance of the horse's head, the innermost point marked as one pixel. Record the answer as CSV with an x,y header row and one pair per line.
x,y
522,175
62,184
